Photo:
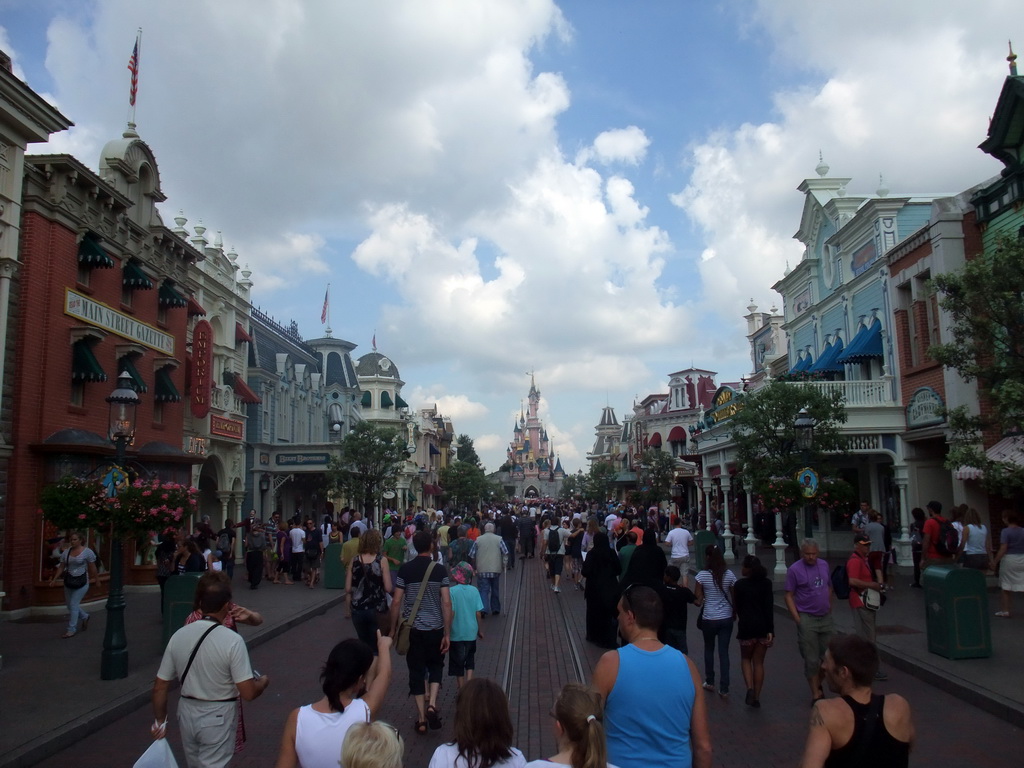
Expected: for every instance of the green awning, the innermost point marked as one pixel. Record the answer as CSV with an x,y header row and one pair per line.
x,y
133,278
169,296
400,403
84,365
91,253
126,364
367,400
385,400
166,392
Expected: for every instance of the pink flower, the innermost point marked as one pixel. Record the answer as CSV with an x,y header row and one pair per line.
x,y
147,493
81,517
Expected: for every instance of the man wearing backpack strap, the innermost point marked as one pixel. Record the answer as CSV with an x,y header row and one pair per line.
x,y
933,538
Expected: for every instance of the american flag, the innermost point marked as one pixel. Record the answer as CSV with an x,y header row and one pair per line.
x,y
133,67
323,312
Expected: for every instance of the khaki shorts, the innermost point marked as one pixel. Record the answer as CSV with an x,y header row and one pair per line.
x,y
813,634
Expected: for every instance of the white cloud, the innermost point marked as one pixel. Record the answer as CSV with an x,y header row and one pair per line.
x,y
622,145
459,408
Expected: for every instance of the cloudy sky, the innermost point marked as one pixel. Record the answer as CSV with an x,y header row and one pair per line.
x,y
592,190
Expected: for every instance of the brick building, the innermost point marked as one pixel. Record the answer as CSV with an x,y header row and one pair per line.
x,y
100,291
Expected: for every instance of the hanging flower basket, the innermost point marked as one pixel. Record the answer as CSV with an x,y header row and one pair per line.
x,y
835,494
136,508
780,493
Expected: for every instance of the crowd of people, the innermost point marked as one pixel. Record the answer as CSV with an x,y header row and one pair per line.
x,y
427,583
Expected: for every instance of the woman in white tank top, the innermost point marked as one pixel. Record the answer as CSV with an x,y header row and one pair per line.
x,y
313,734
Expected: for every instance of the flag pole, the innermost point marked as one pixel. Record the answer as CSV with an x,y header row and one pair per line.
x,y
133,67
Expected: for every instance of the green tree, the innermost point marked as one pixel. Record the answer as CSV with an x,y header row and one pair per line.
x,y
985,300
368,462
765,438
465,451
600,480
655,472
465,484
574,486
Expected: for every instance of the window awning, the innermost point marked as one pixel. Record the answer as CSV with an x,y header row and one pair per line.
x,y
802,364
1009,450
827,360
400,403
432,490
127,364
84,365
385,399
165,391
91,253
677,435
867,344
244,391
133,278
241,334
195,309
434,451
367,400
655,440
169,296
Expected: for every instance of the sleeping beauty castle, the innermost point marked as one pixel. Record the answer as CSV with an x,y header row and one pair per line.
x,y
531,469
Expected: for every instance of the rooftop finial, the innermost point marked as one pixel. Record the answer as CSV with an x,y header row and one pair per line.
x,y
822,167
883,189
1012,58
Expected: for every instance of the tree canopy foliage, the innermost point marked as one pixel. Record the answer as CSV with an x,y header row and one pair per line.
x,y
465,484
368,462
765,437
655,471
465,450
985,301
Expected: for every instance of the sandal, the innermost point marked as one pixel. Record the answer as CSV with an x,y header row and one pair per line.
x,y
433,719
66,635
421,726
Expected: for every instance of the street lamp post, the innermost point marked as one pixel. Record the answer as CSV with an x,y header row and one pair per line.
x,y
803,428
114,659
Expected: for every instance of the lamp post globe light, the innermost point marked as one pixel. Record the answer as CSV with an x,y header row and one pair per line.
x,y
123,402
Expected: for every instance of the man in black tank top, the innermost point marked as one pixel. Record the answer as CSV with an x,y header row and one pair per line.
x,y
861,728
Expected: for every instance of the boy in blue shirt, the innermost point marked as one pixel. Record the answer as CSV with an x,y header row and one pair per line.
x,y
466,608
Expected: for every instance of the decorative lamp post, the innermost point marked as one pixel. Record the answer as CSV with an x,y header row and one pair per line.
x,y
803,429
114,659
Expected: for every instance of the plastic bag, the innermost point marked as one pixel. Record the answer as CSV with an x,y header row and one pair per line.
x,y
159,755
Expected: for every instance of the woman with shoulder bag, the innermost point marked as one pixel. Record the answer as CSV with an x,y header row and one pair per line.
x,y
367,585
78,568
974,545
716,596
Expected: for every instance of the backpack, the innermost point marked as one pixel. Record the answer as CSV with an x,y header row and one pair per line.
x,y
224,542
948,540
841,582
554,541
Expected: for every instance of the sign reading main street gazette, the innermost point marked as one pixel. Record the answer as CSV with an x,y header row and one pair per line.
x,y
100,315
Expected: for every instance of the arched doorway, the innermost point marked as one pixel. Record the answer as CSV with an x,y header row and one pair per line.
x,y
209,485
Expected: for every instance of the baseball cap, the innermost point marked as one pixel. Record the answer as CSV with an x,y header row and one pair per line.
x,y
860,538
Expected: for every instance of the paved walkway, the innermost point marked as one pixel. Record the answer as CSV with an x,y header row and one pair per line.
x,y
56,711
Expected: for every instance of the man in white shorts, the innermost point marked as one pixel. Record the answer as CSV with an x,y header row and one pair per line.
x,y
681,541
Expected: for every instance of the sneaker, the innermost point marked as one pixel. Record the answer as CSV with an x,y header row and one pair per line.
x,y
708,686
556,589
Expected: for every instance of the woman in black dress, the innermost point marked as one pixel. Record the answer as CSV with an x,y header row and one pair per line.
x,y
755,608
648,563
601,570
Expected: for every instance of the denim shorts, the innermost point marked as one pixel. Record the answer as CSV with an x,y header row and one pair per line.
x,y
461,657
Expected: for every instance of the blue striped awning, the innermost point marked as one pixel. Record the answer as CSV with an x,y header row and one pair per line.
x,y
867,344
827,360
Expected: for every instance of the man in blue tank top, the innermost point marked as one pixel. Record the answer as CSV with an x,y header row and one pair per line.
x,y
655,715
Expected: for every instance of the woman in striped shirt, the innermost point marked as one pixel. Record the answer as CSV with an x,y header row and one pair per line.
x,y
716,596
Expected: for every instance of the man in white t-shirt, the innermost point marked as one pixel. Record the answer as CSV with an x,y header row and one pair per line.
x,y
218,675
682,542
357,522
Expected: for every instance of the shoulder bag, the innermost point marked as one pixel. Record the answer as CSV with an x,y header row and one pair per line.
x,y
74,582
402,637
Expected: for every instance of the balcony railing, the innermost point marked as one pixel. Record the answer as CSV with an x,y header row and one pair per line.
x,y
857,393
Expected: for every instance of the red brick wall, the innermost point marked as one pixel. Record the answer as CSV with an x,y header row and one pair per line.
x,y
42,384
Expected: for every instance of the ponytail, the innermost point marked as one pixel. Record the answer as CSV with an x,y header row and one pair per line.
x,y
578,709
592,752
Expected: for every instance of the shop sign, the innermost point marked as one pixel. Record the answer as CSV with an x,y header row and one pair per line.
x,y
202,362
301,459
227,427
925,408
264,458
195,445
101,316
725,404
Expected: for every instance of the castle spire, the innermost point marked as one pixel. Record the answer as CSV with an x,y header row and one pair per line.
x,y
1012,58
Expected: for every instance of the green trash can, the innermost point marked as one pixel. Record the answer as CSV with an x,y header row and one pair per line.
x,y
956,612
334,570
700,543
179,596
